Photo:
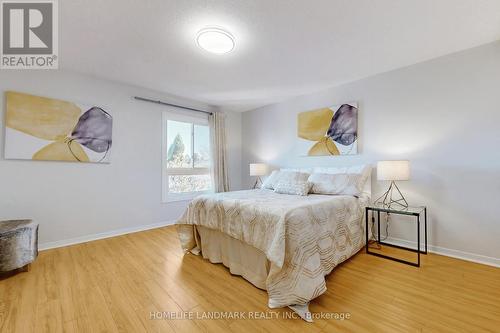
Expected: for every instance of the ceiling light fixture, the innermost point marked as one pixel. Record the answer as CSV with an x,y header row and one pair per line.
x,y
215,40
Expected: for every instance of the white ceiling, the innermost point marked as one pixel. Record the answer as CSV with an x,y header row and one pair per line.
x,y
283,47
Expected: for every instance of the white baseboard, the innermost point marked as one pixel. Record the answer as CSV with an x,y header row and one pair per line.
x,y
447,252
398,241
102,235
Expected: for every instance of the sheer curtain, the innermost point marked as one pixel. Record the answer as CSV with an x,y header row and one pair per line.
x,y
218,146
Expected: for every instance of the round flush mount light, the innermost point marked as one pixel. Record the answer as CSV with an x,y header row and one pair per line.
x,y
215,40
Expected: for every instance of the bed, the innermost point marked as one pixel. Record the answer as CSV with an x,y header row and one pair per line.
x,y
284,244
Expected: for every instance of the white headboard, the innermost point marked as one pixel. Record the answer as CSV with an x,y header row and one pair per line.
x,y
333,170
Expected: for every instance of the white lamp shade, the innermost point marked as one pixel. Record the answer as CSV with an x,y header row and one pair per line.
x,y
258,169
393,170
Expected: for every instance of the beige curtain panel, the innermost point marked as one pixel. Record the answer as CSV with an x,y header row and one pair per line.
x,y
218,146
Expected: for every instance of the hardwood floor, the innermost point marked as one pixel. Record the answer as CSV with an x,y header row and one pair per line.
x,y
117,284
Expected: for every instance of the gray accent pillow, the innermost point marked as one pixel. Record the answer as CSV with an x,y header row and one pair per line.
x,y
295,188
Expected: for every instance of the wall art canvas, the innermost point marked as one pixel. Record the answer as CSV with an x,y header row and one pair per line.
x,y
328,131
40,128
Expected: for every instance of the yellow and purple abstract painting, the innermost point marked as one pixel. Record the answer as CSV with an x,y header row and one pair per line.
x,y
47,129
328,131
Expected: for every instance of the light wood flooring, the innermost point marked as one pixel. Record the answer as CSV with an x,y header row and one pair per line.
x,y
114,285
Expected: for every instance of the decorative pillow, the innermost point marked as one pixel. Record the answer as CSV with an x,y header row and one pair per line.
x,y
341,184
284,177
296,188
270,180
292,176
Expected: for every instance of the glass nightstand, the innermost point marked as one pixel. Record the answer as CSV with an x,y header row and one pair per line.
x,y
418,212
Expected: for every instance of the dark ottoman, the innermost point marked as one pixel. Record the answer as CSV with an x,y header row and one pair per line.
x,y
18,244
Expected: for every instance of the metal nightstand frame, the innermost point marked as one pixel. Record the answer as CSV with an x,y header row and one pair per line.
x,y
401,212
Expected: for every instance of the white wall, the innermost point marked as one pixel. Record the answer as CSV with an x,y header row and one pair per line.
x,y
72,200
443,115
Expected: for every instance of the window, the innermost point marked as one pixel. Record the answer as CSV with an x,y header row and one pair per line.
x,y
186,157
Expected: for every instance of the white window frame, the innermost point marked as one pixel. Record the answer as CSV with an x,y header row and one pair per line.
x,y
172,197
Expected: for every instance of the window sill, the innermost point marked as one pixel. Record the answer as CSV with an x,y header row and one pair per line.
x,y
183,197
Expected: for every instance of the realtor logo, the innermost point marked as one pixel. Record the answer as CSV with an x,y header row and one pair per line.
x,y
29,34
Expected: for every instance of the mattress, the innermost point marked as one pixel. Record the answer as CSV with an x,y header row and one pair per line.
x,y
302,238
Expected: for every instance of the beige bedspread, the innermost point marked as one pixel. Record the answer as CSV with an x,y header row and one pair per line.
x,y
304,238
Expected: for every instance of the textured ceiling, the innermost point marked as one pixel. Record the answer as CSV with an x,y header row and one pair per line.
x,y
284,47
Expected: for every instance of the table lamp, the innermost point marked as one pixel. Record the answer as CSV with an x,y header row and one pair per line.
x,y
258,170
393,171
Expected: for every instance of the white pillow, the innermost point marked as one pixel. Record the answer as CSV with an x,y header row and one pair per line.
x,y
284,177
340,183
363,169
269,181
296,188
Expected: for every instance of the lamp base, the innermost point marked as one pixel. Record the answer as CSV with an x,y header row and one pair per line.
x,y
387,199
258,183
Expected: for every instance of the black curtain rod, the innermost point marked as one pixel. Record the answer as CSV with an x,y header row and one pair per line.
x,y
170,104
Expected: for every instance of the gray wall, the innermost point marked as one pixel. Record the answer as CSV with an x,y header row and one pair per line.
x,y
72,200
443,115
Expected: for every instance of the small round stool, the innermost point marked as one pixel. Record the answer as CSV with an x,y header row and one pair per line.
x,y
18,244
